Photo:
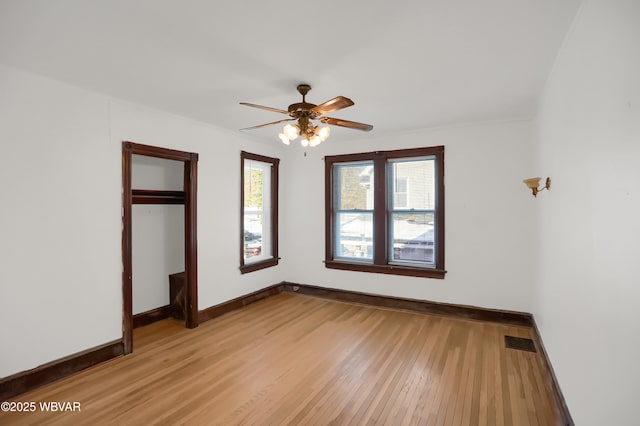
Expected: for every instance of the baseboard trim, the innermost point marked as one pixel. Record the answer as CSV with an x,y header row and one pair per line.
x,y
151,316
25,381
239,302
552,381
424,306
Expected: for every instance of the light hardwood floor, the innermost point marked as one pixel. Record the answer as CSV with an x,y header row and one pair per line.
x,y
293,359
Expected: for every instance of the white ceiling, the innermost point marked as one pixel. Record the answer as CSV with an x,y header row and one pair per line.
x,y
407,64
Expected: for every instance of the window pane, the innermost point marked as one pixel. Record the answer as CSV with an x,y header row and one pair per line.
x,y
400,193
354,235
354,186
413,184
257,225
252,234
412,237
252,185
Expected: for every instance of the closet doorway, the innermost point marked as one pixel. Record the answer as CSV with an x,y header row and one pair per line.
x,y
189,197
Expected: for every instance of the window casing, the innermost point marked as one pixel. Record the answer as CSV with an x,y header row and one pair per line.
x,y
258,212
385,212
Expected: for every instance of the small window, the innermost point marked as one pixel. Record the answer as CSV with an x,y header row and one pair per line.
x,y
385,212
259,212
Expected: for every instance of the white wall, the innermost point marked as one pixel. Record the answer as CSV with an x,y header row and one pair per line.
x,y
60,222
588,140
489,217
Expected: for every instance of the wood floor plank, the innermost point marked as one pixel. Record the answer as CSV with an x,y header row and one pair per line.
x,y
294,359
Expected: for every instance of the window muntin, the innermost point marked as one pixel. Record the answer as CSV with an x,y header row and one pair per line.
x,y
394,221
259,212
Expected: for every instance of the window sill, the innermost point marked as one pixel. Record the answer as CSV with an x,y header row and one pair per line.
x,y
256,266
387,269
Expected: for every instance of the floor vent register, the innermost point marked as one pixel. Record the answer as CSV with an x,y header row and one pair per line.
x,y
519,343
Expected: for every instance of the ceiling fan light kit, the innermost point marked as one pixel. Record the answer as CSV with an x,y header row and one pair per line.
x,y
304,112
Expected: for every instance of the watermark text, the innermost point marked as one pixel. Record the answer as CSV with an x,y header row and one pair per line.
x,y
33,406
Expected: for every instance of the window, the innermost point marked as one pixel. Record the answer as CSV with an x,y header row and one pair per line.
x,y
385,212
259,212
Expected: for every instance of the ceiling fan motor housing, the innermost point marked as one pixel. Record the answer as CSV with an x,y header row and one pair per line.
x,y
301,109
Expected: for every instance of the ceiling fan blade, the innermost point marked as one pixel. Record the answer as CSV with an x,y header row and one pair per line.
x,y
266,124
265,107
332,105
346,123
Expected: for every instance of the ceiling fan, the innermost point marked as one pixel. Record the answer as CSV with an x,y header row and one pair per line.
x,y
304,112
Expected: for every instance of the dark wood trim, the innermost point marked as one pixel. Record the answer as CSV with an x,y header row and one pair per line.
x,y
242,157
158,152
424,306
157,200
190,190
191,240
256,266
386,269
239,302
552,382
151,316
329,230
157,193
380,243
275,162
275,190
127,288
439,230
151,196
440,204
381,256
25,381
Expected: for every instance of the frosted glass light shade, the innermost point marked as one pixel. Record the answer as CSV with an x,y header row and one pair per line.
x,y
324,133
285,140
309,136
291,131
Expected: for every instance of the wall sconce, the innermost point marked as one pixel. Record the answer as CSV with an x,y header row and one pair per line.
x,y
532,184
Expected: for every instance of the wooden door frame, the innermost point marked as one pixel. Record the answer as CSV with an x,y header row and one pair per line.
x,y
190,184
